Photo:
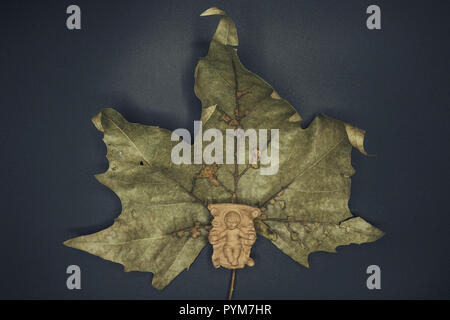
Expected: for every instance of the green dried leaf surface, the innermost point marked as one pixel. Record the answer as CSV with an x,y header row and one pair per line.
x,y
157,203
306,203
162,225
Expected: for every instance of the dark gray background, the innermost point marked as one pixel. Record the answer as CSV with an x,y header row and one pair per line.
x,y
139,57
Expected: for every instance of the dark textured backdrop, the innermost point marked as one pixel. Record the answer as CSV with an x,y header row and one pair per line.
x,y
139,57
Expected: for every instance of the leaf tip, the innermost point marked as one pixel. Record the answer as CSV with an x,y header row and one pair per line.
x,y
71,243
305,263
97,121
226,32
157,283
207,113
295,118
356,137
213,11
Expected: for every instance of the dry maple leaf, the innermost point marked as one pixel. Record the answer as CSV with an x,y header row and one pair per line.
x,y
165,221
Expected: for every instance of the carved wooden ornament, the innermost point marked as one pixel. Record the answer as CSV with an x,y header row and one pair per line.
x,y
233,234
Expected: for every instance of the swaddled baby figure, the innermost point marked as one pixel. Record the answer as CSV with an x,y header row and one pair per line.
x,y
232,235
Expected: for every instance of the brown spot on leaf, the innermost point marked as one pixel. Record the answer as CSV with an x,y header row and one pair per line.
x,y
214,181
241,93
180,234
294,235
195,233
209,172
225,118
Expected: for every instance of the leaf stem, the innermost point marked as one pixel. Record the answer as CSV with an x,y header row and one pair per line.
x,y
233,275
236,117
236,174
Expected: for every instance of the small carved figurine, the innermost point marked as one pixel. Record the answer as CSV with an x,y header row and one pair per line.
x,y
233,234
